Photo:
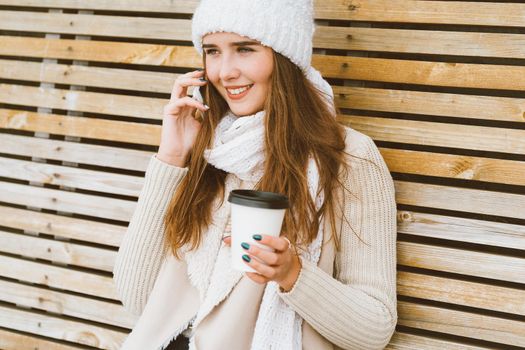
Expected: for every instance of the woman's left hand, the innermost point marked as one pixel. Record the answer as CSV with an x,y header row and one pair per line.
x,y
282,266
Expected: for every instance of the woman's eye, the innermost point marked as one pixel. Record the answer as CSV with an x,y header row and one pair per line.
x,y
211,51
245,49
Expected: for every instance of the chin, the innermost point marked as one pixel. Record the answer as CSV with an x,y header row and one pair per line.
x,y
242,112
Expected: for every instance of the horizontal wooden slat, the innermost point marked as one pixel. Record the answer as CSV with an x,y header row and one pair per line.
x,y
75,152
83,101
97,25
460,199
431,103
66,304
342,38
57,251
481,138
62,226
169,6
420,72
113,78
406,11
58,277
421,41
358,68
58,328
455,166
101,129
439,12
17,341
459,292
101,51
466,324
496,234
460,261
71,177
71,202
405,341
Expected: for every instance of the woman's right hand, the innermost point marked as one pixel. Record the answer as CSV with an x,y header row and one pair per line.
x,y
179,126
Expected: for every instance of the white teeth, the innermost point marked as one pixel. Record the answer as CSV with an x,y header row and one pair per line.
x,y
238,91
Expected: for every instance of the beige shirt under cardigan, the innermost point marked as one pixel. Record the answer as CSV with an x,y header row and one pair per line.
x,y
347,301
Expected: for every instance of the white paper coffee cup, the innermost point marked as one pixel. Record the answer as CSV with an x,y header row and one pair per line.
x,y
254,212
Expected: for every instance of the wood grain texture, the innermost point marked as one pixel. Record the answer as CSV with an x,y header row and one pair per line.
x,y
93,128
406,341
61,328
57,251
455,166
491,233
99,181
431,103
466,324
106,156
62,226
17,341
81,101
460,199
461,261
58,277
66,304
448,290
112,78
481,138
66,201
101,51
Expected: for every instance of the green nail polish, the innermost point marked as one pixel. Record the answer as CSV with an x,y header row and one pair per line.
x,y
245,245
257,237
246,258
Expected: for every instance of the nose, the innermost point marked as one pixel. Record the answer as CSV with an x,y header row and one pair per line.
x,y
229,69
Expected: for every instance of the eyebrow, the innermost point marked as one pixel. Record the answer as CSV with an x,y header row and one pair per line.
x,y
238,43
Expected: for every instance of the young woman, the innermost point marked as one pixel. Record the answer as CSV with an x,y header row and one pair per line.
x,y
260,118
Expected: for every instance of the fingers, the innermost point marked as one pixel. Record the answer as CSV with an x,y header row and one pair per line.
x,y
267,257
227,240
264,270
175,107
180,87
277,243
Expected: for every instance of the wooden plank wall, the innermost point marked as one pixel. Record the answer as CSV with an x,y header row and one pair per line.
x,y
439,85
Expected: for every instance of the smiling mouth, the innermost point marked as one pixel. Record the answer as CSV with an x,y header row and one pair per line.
x,y
238,93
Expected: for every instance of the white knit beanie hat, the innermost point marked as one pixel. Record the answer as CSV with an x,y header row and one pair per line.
x,y
287,26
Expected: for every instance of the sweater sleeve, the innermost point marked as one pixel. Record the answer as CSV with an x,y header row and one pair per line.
x,y
142,249
356,309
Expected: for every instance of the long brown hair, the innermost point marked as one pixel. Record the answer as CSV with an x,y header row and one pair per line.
x,y
299,124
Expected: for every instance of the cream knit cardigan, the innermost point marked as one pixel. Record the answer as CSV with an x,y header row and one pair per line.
x,y
353,309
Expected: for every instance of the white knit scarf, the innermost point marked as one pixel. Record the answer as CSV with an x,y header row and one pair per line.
x,y
238,148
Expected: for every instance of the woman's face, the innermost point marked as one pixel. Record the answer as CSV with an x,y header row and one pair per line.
x,y
240,69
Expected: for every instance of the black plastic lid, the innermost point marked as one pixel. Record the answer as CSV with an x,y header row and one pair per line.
x,y
258,199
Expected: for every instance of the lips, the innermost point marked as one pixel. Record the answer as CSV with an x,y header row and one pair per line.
x,y
238,92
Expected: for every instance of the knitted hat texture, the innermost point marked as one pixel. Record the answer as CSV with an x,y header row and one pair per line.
x,y
286,26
